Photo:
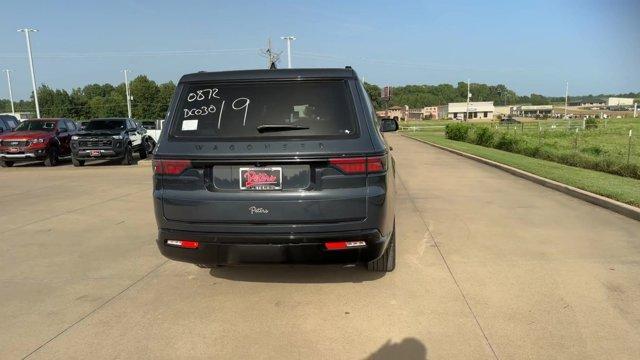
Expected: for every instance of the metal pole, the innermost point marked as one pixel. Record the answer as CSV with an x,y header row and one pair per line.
x,y
468,97
33,74
13,110
289,39
126,86
566,100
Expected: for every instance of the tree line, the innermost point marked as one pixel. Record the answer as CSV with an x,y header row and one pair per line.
x,y
418,96
150,100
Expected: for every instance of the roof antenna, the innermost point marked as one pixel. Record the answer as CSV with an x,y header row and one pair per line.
x,y
272,57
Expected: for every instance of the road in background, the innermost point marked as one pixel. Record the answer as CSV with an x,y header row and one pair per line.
x,y
489,266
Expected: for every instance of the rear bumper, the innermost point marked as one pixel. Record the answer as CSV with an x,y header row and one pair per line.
x,y
222,249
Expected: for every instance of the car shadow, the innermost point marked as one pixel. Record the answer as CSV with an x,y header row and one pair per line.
x,y
297,274
407,349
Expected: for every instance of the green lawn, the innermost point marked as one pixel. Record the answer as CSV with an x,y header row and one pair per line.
x,y
620,188
610,139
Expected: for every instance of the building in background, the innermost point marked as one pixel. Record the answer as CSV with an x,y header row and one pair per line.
x,y
394,112
617,101
595,103
533,110
476,110
406,113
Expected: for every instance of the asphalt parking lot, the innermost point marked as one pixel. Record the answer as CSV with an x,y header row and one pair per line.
x,y
490,266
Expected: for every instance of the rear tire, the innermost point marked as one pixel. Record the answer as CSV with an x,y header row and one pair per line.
x,y
6,163
52,157
386,262
128,156
77,162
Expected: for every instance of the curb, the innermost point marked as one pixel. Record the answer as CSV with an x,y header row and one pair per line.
x,y
610,204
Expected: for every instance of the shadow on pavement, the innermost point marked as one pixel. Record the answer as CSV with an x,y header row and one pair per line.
x,y
407,349
302,274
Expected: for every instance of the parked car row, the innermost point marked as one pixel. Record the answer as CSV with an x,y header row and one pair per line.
x,y
55,139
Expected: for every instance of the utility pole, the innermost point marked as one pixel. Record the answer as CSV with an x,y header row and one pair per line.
x,y
126,86
26,32
468,97
13,110
566,100
272,57
289,40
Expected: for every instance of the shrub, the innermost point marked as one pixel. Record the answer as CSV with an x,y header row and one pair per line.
x,y
591,123
507,142
483,136
457,131
594,150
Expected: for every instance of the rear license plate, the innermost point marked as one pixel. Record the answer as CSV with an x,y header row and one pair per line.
x,y
264,178
13,150
95,153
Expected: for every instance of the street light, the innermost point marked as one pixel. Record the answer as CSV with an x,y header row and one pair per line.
x,y
289,40
13,110
126,86
26,32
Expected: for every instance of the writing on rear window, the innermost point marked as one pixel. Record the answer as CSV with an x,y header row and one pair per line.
x,y
265,109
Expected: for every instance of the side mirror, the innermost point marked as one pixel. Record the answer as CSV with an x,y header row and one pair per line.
x,y
388,125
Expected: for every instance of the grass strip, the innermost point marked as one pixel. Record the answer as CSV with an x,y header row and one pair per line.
x,y
623,189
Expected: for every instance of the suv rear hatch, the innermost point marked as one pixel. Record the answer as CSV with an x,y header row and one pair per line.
x,y
277,152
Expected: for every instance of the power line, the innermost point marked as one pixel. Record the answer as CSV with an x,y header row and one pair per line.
x,y
131,54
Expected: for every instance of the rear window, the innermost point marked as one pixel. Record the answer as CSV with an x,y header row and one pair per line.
x,y
292,109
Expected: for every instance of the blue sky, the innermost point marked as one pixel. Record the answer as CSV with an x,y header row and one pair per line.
x,y
530,46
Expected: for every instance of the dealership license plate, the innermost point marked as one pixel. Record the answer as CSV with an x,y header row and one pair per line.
x,y
263,178
95,153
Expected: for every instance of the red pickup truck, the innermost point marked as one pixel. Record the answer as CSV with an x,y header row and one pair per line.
x,y
37,140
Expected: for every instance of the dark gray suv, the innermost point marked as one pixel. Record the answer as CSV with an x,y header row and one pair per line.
x,y
275,166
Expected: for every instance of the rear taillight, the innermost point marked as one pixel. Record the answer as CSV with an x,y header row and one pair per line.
x,y
360,165
170,167
185,244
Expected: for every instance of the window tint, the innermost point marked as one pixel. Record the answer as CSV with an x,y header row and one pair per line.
x,y
13,123
70,125
106,125
36,126
294,109
2,126
62,126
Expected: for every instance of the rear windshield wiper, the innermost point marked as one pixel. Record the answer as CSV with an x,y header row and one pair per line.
x,y
280,127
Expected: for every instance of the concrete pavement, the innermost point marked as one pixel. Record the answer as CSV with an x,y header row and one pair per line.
x,y
489,266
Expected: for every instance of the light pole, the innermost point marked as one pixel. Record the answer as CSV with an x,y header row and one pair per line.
x,y
566,100
13,110
26,32
289,40
468,97
126,86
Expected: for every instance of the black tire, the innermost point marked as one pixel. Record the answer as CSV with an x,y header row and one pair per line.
x,y
77,162
386,262
52,157
128,156
143,149
6,163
